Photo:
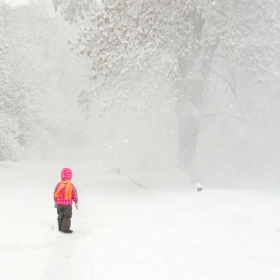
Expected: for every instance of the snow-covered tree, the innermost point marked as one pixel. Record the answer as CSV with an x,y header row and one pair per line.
x,y
152,53
32,33
30,68
45,72
10,103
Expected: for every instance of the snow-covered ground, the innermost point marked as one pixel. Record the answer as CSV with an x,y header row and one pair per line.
x,y
159,229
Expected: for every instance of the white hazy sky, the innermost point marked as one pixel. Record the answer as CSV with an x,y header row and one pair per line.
x,y
15,3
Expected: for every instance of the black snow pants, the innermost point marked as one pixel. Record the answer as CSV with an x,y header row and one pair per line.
x,y
64,217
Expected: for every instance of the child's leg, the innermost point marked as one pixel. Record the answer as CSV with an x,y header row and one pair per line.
x,y
67,215
60,213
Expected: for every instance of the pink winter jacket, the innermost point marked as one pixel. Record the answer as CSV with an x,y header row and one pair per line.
x,y
66,174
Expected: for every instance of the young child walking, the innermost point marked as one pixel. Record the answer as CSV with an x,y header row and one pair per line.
x,y
64,193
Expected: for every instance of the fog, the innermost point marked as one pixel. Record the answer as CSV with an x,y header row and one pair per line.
x,y
148,121
167,114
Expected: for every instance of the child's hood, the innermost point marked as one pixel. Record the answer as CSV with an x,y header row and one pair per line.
x,y
66,174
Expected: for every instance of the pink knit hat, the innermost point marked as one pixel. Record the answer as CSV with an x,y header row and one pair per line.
x,y
66,174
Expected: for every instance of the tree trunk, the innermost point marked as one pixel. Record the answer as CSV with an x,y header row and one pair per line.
x,y
190,96
194,73
188,101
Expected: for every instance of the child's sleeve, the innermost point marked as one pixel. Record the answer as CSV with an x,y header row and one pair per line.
x,y
74,194
54,193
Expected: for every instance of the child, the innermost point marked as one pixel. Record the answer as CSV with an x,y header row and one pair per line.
x,y
64,193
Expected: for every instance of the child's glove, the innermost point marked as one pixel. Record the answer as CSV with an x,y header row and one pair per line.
x,y
76,204
55,205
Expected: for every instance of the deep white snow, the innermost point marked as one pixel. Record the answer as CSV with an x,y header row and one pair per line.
x,y
135,227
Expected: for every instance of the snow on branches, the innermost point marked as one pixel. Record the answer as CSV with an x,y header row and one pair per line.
x,y
149,46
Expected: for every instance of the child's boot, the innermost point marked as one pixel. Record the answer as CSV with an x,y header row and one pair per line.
x,y
67,231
